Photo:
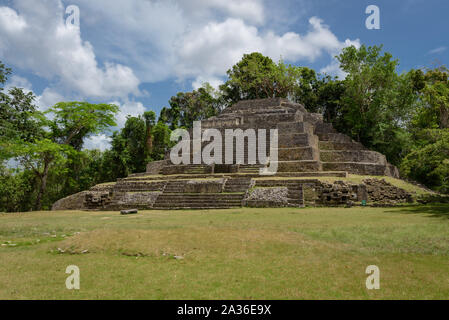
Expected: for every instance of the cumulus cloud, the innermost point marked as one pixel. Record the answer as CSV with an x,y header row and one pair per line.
x,y
197,39
11,22
39,40
200,81
122,44
249,10
128,108
19,82
100,142
49,98
213,49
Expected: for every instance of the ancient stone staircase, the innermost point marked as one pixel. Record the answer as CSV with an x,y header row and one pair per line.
x,y
250,168
295,194
240,185
198,201
305,142
174,196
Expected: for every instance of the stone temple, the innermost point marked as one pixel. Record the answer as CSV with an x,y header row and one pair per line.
x,y
313,164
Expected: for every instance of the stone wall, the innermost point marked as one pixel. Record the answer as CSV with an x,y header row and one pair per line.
x,y
155,167
137,199
266,197
381,191
73,202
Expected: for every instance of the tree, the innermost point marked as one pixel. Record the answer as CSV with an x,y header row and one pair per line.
x,y
319,93
161,133
187,107
19,119
246,78
376,101
435,98
14,187
72,122
429,164
150,120
257,76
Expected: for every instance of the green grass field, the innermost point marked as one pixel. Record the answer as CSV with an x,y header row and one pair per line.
x,y
312,253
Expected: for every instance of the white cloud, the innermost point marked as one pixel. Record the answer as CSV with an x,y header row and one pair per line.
x,y
101,142
19,82
49,98
10,21
217,46
41,42
437,50
128,108
213,81
195,39
248,10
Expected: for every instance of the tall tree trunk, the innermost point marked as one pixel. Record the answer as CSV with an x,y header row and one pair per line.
x,y
444,117
43,185
149,141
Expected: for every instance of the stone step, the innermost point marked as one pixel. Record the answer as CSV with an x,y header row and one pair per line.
x,y
357,168
250,168
198,200
197,204
268,118
298,166
189,169
299,127
324,127
298,153
136,188
352,156
334,137
201,196
331,145
236,184
203,203
293,140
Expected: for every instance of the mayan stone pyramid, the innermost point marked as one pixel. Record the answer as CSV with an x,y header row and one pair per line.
x,y
307,150
305,142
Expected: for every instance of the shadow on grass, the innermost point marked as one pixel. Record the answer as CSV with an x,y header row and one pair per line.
x,y
433,210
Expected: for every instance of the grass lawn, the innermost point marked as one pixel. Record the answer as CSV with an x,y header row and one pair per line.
x,y
312,253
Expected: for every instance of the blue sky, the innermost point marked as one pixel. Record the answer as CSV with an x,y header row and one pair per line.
x,y
138,53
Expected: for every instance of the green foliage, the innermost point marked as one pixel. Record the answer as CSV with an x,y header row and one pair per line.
x,y
187,107
430,164
434,89
14,187
376,101
319,93
134,136
73,121
161,133
258,77
247,78
140,141
19,119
